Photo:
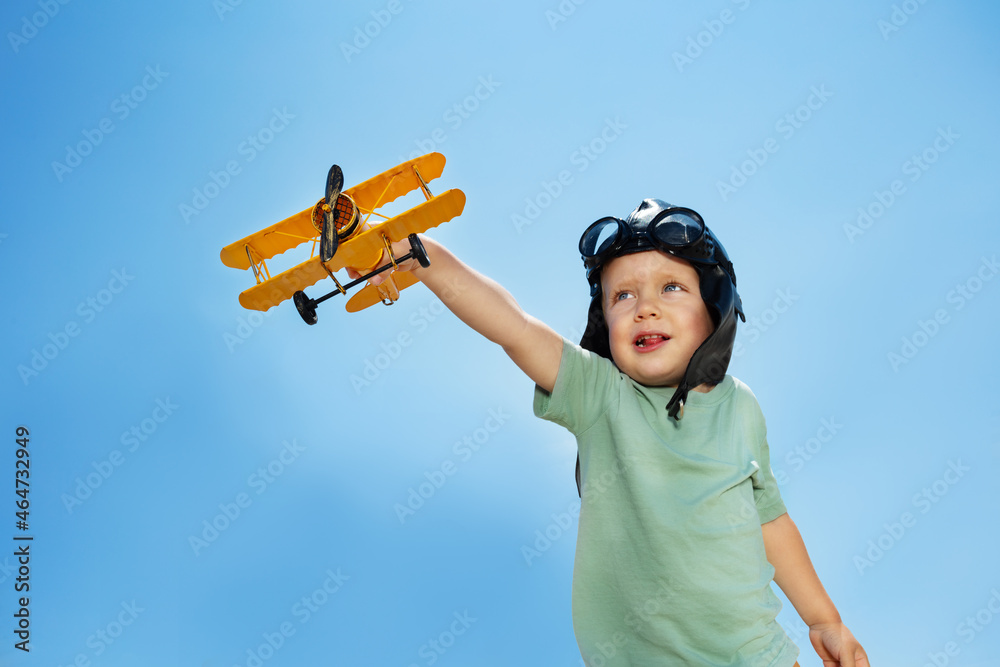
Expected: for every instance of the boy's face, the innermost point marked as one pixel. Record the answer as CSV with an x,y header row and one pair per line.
x,y
655,314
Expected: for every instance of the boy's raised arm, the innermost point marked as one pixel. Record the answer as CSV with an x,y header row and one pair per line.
x,y
488,308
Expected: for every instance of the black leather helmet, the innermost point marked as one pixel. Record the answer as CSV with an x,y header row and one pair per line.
x,y
716,277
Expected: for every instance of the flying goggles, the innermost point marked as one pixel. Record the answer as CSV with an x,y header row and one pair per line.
x,y
676,230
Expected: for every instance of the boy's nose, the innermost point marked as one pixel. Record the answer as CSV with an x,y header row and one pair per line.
x,y
646,308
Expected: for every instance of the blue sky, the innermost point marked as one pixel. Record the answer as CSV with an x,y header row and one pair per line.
x,y
212,487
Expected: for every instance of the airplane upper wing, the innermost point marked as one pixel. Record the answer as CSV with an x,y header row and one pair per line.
x,y
369,195
396,182
271,241
358,251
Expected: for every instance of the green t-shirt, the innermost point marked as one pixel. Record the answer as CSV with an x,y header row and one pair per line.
x,y
670,564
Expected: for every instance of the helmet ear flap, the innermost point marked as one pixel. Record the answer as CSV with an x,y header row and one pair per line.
x,y
710,361
596,337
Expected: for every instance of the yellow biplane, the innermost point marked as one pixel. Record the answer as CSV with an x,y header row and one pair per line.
x,y
341,224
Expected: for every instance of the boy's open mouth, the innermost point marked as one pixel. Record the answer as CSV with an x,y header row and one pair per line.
x,y
650,340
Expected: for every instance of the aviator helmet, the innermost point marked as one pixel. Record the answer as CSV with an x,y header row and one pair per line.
x,y
657,225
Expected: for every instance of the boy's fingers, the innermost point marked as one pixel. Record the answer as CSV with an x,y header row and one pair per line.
x,y
853,655
399,249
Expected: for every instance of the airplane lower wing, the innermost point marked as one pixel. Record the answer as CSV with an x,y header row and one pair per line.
x,y
282,286
369,295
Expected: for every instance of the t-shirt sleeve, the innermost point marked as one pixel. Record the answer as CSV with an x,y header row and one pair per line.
x,y
585,389
765,487
767,497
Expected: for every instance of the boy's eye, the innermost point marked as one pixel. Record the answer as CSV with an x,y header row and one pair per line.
x,y
621,296
672,287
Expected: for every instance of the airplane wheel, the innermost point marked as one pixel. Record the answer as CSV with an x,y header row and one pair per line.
x,y
418,251
306,307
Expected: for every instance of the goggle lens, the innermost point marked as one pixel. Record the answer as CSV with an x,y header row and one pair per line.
x,y
678,229
600,237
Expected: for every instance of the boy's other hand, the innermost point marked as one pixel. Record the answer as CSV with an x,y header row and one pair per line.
x,y
837,646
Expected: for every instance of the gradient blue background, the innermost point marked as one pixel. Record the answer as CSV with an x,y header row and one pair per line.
x,y
242,385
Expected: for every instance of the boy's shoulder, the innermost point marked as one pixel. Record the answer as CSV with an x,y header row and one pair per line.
x,y
742,388
747,401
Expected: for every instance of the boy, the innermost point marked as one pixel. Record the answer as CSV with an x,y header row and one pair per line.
x,y
681,525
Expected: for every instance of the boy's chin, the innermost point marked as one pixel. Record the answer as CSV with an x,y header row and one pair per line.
x,y
649,379
666,381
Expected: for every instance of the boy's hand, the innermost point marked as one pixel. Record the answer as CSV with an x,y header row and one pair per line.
x,y
399,249
837,646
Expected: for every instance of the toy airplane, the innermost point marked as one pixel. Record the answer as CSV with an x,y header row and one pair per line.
x,y
345,239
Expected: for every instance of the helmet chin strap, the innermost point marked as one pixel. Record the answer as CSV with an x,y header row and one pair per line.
x,y
675,406
692,378
710,361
